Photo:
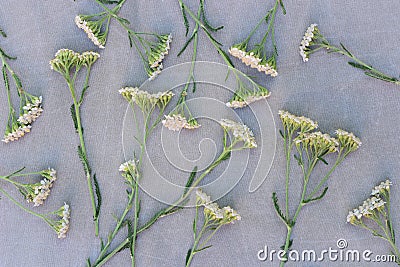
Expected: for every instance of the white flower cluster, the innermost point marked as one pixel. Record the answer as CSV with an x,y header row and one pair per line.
x,y
32,111
318,142
382,187
62,226
252,60
238,102
347,139
157,54
42,190
365,209
176,122
307,40
65,59
375,202
240,132
144,99
92,29
223,215
293,122
130,165
160,51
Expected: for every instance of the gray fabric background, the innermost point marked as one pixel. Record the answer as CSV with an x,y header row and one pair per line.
x,y
326,89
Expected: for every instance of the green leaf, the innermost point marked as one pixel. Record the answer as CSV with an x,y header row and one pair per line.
x,y
84,160
380,77
201,249
98,195
190,180
109,2
5,78
279,211
6,55
347,51
205,21
18,82
323,160
290,245
88,264
130,40
316,198
281,134
188,41
82,95
227,156
226,57
298,159
359,66
211,37
283,7
3,33
73,115
194,227
188,255
185,19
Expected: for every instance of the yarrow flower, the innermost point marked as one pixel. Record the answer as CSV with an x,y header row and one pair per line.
x,y
382,188
62,225
307,41
319,143
294,123
254,59
65,59
42,190
30,112
93,29
243,100
128,166
240,132
176,122
348,140
144,100
159,51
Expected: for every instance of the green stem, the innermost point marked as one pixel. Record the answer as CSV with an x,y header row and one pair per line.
x,y
83,147
288,147
26,209
196,242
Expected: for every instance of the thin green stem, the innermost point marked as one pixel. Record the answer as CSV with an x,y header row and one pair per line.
x,y
83,149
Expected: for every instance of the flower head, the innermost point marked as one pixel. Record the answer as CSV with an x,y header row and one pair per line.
x,y
366,209
144,99
238,51
64,60
129,166
31,111
38,193
93,30
382,188
320,144
62,226
307,41
176,122
348,140
158,52
202,198
17,131
88,58
243,100
240,132
293,123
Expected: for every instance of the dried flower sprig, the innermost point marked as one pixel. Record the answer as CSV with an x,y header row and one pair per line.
x,y
151,47
214,218
30,106
247,90
59,225
241,138
374,215
68,63
312,147
34,192
257,58
313,40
